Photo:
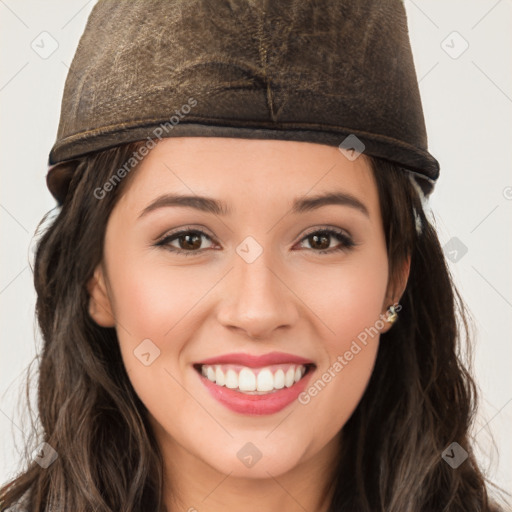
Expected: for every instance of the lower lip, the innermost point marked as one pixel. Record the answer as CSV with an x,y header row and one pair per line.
x,y
269,403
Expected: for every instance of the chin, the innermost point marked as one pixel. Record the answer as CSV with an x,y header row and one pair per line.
x,y
256,457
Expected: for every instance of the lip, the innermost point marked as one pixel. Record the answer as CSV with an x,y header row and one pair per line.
x,y
256,405
252,361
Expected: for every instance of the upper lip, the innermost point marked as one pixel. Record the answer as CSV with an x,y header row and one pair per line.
x,y
255,361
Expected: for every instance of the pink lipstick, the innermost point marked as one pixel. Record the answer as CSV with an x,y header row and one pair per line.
x,y
255,385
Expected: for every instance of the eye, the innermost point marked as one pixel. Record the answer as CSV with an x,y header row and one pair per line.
x,y
188,241
321,239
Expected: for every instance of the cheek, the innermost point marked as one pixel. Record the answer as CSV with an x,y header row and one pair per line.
x,y
152,305
151,298
147,300
348,296
348,301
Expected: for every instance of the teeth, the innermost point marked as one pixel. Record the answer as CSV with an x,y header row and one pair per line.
x,y
279,379
219,377
289,377
246,380
231,379
265,380
250,380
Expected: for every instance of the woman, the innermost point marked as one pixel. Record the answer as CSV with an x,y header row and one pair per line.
x,y
243,302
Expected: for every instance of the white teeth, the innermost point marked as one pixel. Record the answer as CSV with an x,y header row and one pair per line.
x,y
279,379
248,380
210,373
289,378
265,380
231,379
219,376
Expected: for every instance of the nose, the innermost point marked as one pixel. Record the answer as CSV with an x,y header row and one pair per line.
x,y
258,300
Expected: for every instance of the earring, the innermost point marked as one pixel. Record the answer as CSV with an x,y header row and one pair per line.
x,y
392,315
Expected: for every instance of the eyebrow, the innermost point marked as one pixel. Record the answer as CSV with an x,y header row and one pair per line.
x,y
300,205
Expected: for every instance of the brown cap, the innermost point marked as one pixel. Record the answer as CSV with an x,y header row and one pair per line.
x,y
304,70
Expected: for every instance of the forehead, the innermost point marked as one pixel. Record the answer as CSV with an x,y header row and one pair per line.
x,y
268,172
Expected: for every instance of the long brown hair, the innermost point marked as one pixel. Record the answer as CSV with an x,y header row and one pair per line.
x,y
419,400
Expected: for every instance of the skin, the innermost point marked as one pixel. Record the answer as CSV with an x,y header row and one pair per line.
x,y
290,299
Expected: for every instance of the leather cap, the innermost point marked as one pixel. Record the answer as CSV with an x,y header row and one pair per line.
x,y
303,70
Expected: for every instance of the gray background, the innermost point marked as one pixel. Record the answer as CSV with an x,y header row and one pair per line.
x,y
467,100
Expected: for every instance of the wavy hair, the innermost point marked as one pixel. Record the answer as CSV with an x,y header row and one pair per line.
x,y
420,397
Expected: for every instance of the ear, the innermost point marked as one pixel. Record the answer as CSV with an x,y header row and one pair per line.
x,y
395,292
100,307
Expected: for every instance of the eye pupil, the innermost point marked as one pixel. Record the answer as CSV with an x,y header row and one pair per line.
x,y
190,245
324,241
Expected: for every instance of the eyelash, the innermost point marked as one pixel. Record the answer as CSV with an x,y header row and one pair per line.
x,y
346,242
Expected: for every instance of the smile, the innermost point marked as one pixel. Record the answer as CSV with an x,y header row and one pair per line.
x,y
252,380
255,385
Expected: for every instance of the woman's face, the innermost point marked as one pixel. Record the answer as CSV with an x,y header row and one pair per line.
x,y
279,284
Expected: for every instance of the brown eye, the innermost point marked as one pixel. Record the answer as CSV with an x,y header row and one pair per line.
x,y
188,241
320,241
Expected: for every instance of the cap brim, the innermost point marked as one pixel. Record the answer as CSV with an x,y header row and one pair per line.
x,y
64,154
